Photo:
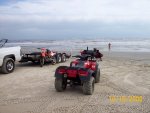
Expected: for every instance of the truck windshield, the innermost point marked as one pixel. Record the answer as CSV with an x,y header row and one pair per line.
x,y
2,42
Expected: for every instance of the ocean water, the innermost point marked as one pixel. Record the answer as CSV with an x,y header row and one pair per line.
x,y
117,45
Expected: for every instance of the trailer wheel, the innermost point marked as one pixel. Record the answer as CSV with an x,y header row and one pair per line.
x,y
58,56
41,62
97,76
60,84
88,86
63,58
8,65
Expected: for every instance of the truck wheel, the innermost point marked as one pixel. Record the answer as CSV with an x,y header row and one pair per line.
x,y
41,62
8,65
63,58
97,77
60,84
88,86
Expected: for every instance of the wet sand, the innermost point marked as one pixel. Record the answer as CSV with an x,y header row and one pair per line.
x,y
30,88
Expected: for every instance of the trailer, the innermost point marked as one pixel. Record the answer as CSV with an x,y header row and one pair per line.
x,y
43,55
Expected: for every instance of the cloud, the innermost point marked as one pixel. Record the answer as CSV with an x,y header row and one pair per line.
x,y
77,10
65,30
74,18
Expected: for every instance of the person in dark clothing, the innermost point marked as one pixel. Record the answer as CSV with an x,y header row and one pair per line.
x,y
109,46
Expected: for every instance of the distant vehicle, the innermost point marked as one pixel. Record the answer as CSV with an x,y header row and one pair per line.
x,y
8,57
95,53
43,55
83,71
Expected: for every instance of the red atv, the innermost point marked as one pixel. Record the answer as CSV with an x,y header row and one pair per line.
x,y
54,57
83,71
46,56
95,53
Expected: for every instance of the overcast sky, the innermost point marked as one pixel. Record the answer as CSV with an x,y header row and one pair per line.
x,y
51,19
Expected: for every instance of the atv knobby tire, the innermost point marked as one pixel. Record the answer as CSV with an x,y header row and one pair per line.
x,y
8,66
97,76
88,86
60,84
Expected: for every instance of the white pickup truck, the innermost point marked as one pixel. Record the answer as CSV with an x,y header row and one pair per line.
x,y
8,57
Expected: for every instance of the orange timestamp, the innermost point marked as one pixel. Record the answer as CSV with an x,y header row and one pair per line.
x,y
125,99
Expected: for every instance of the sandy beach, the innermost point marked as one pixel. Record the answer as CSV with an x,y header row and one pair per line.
x,y
30,88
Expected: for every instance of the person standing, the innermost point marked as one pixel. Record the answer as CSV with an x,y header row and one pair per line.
x,y
109,46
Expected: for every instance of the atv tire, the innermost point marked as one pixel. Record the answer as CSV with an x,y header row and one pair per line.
x,y
97,76
60,84
88,86
8,65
